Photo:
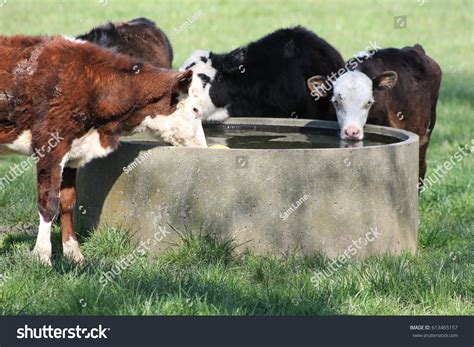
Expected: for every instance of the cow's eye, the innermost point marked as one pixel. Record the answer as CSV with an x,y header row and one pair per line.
x,y
369,103
335,102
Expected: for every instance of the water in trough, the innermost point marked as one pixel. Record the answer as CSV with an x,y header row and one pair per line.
x,y
278,137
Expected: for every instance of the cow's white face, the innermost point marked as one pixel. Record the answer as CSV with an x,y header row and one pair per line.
x,y
352,99
353,96
182,128
199,91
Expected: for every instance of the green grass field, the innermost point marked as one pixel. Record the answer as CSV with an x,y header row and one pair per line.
x,y
203,276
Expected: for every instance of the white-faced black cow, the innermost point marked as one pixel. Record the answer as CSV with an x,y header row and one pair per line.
x,y
266,78
395,87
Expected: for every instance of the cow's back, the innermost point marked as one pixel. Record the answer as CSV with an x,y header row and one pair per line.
x,y
433,71
12,51
37,73
413,97
271,79
139,38
15,51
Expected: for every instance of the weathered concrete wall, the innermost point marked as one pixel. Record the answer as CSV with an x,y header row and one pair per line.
x,y
272,201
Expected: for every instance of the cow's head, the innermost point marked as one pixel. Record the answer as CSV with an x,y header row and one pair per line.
x,y
175,118
200,62
353,96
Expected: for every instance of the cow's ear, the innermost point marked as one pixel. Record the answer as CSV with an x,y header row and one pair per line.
x,y
182,81
234,62
316,86
239,55
385,80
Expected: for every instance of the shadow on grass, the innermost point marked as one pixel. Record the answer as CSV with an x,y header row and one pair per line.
x,y
206,269
224,298
11,239
200,269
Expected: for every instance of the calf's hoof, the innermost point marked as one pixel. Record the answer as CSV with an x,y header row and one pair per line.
x,y
72,251
77,258
43,254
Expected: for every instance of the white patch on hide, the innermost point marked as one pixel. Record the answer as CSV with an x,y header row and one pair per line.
x,y
85,149
22,144
73,39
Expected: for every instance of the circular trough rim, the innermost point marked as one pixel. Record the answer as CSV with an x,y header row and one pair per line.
x,y
405,136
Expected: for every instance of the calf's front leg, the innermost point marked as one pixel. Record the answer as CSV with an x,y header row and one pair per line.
x,y
49,173
67,198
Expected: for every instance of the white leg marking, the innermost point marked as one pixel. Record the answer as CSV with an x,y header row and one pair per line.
x,y
72,251
43,242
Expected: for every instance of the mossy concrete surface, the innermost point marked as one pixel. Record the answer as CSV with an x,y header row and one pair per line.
x,y
358,201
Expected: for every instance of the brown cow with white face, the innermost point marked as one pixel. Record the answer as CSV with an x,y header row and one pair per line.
x,y
81,98
394,87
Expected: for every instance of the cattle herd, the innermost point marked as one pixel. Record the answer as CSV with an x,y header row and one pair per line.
x,y
116,80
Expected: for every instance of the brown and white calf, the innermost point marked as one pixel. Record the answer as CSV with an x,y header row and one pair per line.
x,y
85,97
395,87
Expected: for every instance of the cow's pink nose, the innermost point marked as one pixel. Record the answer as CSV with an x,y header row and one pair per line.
x,y
352,132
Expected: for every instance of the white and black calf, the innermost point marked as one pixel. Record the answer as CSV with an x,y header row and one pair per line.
x,y
266,78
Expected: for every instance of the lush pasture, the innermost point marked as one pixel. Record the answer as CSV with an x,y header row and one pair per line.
x,y
203,276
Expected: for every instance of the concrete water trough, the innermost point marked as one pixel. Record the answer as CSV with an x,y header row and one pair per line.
x,y
285,186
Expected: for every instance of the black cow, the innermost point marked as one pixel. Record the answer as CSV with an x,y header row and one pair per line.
x,y
266,78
